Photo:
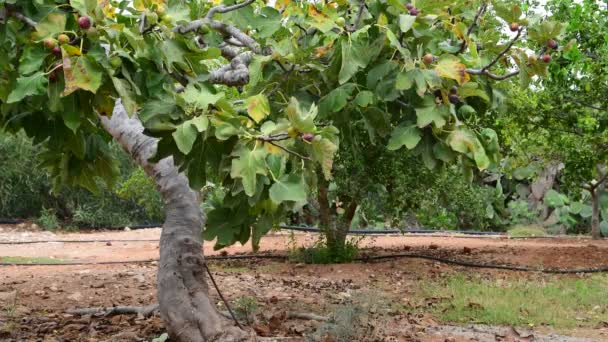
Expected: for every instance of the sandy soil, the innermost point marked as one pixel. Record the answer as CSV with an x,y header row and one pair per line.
x,y
35,298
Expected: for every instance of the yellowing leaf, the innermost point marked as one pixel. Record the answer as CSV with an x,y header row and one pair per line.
x,y
143,4
449,66
257,107
272,149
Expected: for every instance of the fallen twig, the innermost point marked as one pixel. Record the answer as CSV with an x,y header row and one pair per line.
x,y
144,311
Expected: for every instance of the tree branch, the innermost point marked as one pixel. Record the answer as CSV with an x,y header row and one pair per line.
x,y
227,30
504,51
23,18
234,74
491,75
355,26
482,9
276,137
145,311
288,150
224,8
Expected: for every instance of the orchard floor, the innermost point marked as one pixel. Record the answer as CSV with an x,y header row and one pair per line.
x,y
34,299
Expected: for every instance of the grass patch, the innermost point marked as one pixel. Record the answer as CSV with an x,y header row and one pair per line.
x,y
30,260
558,302
527,231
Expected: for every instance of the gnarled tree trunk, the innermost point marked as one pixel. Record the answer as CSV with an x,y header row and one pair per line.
x,y
188,312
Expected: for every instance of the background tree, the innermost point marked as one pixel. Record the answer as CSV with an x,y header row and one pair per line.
x,y
565,117
188,88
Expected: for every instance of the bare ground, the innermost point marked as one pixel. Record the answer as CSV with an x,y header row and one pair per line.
x,y
35,298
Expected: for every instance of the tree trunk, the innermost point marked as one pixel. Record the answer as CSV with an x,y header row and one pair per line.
x,y
595,214
188,312
333,226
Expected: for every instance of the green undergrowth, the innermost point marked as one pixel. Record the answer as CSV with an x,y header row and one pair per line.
x,y
527,231
29,260
560,302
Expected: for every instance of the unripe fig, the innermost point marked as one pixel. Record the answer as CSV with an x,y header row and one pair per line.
x,y
514,27
341,21
115,62
152,18
84,22
552,44
49,43
308,137
454,98
546,58
63,39
453,90
167,19
92,32
428,58
57,51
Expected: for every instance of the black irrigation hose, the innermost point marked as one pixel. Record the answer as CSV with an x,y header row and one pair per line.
x,y
394,231
74,241
364,259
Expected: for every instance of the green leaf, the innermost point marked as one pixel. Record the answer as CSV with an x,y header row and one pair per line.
x,y
464,141
85,7
258,107
71,114
52,24
409,136
247,166
323,151
200,97
201,123
28,86
443,152
31,59
288,188
406,22
123,88
554,199
300,120
81,73
364,98
185,136
353,59
337,99
430,112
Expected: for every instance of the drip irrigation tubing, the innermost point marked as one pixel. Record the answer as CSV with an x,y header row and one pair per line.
x,y
74,241
363,259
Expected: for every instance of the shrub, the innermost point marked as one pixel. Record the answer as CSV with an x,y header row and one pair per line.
x,y
48,219
320,253
29,194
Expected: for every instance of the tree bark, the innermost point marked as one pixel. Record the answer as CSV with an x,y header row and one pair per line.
x,y
595,214
188,312
334,227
